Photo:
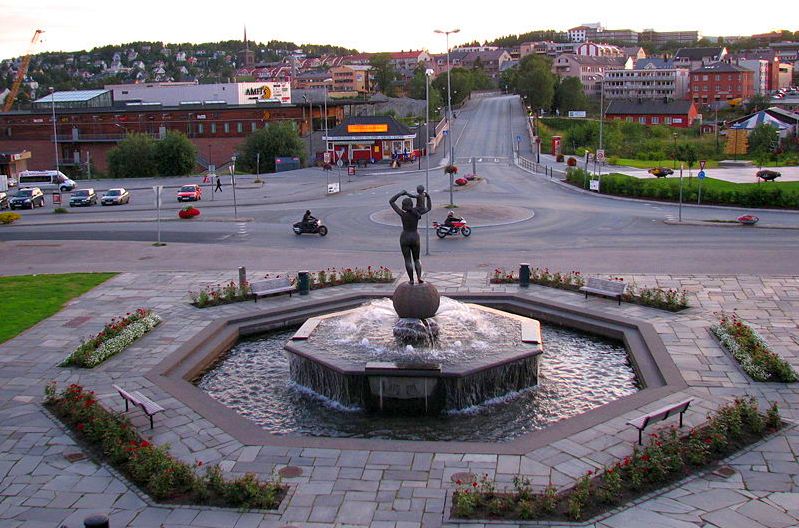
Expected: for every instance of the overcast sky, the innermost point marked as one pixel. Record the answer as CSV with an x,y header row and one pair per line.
x,y
73,25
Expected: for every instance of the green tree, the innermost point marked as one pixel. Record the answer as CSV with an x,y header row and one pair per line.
x,y
535,81
275,140
384,73
757,103
762,142
417,88
687,153
569,95
175,155
133,157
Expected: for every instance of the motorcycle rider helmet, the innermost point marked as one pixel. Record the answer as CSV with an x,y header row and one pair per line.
x,y
450,214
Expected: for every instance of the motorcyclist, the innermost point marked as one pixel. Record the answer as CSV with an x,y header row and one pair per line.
x,y
308,220
451,219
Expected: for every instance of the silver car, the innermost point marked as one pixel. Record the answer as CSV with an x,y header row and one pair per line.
x,y
116,196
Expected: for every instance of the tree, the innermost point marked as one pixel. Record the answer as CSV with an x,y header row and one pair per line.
x,y
687,153
385,74
175,155
757,103
762,142
534,81
417,88
569,95
275,140
133,157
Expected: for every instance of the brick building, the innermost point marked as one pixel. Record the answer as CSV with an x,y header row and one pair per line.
x,y
680,114
720,81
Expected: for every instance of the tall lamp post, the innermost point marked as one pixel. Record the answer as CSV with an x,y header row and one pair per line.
x,y
55,133
427,74
449,110
233,185
601,116
326,134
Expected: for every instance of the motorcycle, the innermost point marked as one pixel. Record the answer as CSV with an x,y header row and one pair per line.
x,y
313,228
442,230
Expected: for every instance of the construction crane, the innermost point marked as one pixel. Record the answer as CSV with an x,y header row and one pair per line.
x,y
23,69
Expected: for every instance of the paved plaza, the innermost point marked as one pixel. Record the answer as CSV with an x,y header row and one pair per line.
x,y
388,487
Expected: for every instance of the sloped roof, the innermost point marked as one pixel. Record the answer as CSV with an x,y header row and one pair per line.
x,y
649,107
696,54
70,96
720,67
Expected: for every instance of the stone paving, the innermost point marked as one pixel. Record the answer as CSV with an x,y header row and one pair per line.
x,y
40,487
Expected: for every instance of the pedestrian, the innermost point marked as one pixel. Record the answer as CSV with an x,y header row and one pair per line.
x,y
218,184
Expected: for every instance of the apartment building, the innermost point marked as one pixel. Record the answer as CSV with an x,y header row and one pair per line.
x,y
721,81
352,78
650,79
589,70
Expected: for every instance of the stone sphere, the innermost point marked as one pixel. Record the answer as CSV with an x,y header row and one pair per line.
x,y
416,301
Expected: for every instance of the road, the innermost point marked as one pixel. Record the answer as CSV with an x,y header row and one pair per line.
x,y
543,222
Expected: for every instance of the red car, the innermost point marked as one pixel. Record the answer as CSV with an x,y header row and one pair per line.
x,y
190,193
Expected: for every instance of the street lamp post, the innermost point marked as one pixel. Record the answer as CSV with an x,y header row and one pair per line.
x,y
449,110
55,133
601,117
427,74
233,185
674,152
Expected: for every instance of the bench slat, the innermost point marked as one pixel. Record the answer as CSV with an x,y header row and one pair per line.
x,y
148,405
659,415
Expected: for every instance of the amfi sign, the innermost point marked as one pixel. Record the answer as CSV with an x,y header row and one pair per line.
x,y
264,92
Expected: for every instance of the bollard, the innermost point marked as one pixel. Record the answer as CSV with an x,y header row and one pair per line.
x,y
524,275
242,277
303,282
96,521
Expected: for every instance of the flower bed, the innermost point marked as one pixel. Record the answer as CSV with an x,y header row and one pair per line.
x,y
217,294
333,277
188,212
166,479
751,351
671,300
668,458
451,169
116,336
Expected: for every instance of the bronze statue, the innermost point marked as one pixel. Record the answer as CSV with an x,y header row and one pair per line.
x,y
409,239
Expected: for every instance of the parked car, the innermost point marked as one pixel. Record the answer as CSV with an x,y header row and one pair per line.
x,y
27,198
660,172
3,201
190,193
83,197
115,197
12,181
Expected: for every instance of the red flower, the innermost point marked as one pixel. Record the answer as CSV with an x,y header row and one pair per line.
x,y
474,484
80,427
144,443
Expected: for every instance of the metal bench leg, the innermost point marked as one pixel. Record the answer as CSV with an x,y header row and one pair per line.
x,y
126,404
151,421
640,440
681,419
619,300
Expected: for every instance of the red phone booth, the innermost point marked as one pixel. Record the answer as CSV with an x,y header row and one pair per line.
x,y
555,145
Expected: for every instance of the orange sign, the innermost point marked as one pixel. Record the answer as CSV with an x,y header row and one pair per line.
x,y
355,129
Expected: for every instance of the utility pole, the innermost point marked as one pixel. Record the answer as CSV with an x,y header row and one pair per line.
x,y
449,112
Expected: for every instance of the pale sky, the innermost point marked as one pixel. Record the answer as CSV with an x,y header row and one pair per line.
x,y
73,25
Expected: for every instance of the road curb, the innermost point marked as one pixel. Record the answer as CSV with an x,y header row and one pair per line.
x,y
726,224
131,221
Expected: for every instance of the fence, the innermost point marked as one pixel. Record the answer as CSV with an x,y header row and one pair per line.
x,y
538,168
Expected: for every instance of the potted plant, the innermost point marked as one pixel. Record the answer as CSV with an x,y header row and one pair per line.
x,y
748,219
571,162
451,169
460,181
188,212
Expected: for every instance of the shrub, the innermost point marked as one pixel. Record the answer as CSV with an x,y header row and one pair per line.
x,y
152,467
217,294
751,351
559,158
9,218
60,210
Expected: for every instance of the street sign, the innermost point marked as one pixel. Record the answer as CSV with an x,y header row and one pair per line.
x,y
701,175
600,155
702,164
594,185
340,163
327,157
332,188
446,132
518,138
350,171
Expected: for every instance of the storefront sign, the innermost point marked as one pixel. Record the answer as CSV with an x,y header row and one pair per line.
x,y
373,128
264,92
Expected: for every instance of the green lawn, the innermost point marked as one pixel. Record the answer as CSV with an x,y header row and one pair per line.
x,y
648,164
28,299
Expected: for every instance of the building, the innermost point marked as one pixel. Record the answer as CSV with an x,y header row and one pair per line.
x,y
313,80
12,163
373,138
588,69
680,114
352,78
582,33
693,58
491,62
90,132
650,79
74,99
246,56
662,38
626,36
592,49
472,49
760,69
721,81
191,93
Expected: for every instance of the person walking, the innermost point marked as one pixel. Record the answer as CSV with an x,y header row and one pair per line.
x,y
218,184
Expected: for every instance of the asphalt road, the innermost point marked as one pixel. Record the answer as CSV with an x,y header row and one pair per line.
x,y
557,226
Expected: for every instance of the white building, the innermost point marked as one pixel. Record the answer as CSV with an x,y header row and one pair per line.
x,y
650,79
177,93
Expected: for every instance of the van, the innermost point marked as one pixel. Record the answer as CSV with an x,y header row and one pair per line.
x,y
47,180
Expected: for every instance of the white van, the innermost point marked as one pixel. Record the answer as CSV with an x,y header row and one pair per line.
x,y
46,180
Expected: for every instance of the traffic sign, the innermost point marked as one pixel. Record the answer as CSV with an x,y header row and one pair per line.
x,y
158,189
327,157
600,155
594,185
446,132
518,138
340,163
701,175
702,164
350,171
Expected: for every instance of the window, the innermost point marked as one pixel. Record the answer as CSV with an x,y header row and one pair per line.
x,y
666,120
239,128
655,120
213,128
226,128
704,77
628,119
200,128
718,77
642,120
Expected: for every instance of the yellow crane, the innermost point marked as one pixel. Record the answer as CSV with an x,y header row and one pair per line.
x,y
23,69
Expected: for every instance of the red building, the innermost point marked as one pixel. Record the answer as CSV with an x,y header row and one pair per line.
x,y
720,81
89,133
681,114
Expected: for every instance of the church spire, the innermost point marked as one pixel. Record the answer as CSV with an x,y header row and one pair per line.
x,y
246,43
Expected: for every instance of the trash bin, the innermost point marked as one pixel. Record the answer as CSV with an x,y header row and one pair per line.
x,y
524,275
96,521
303,282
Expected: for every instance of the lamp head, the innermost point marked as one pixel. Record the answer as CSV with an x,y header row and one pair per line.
x,y
429,72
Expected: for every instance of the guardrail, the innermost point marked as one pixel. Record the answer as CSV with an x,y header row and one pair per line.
x,y
538,168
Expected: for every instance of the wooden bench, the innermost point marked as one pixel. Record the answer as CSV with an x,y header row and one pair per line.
x,y
272,286
642,422
138,399
608,288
